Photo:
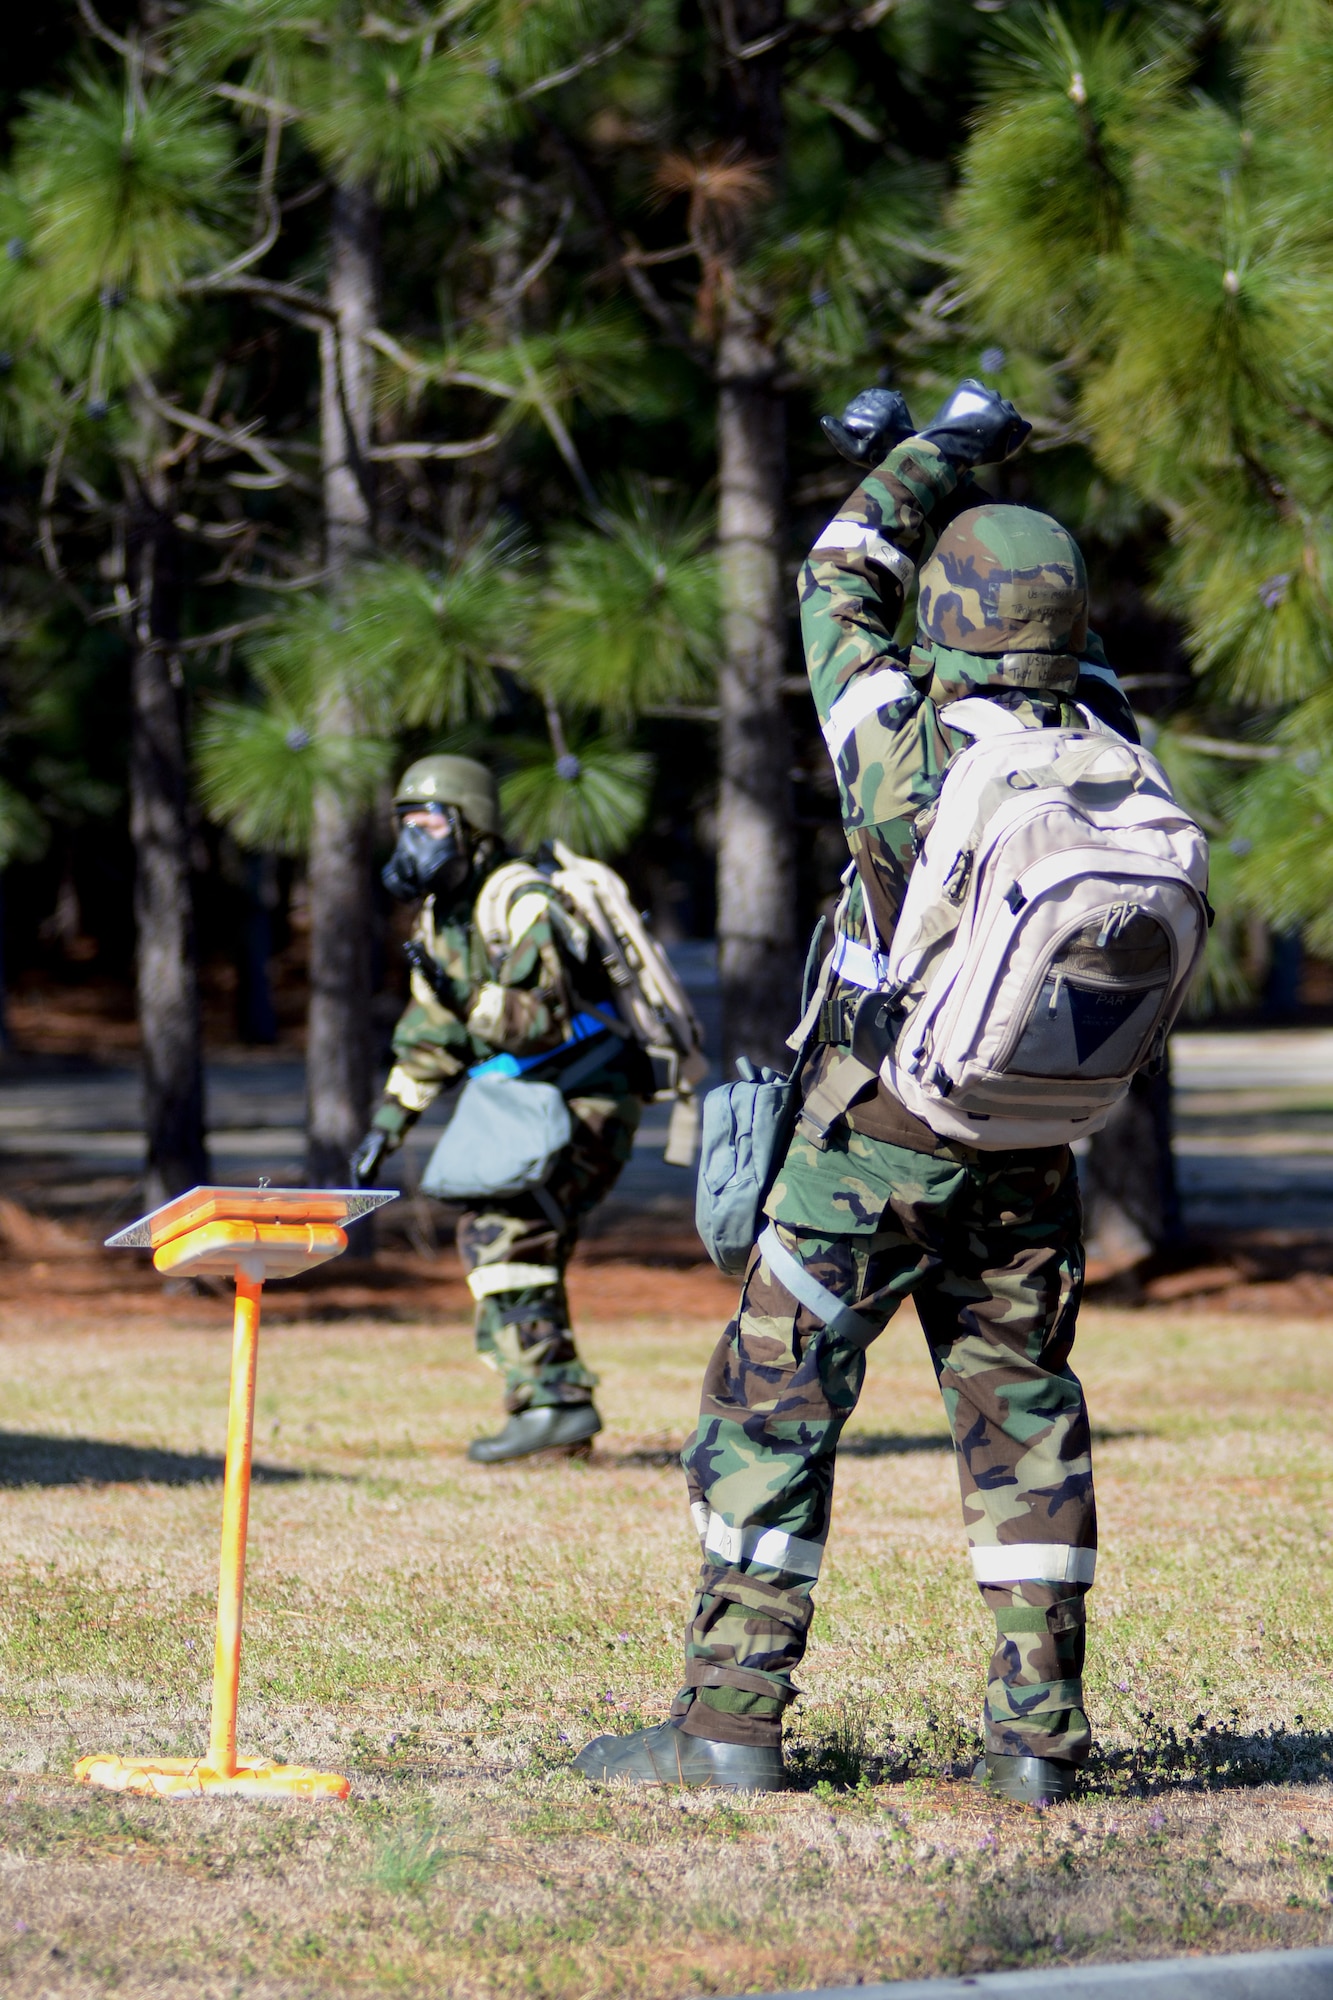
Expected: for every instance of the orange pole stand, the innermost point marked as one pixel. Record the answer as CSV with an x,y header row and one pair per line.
x,y
222,1770
235,1526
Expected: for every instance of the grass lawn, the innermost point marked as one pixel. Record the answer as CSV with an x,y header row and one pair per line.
x,y
448,1635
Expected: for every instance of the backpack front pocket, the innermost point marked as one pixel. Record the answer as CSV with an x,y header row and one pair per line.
x,y
1103,993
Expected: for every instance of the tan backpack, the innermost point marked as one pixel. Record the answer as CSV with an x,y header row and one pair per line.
x,y
593,908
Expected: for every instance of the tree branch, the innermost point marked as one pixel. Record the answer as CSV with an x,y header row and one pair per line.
x,y
269,291
131,51
1240,753
466,448
560,437
256,100
268,214
311,581
50,487
643,290
853,21
584,63
225,634
274,471
641,258
526,279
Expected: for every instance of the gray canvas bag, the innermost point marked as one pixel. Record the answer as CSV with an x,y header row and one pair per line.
x,y
502,1139
746,1127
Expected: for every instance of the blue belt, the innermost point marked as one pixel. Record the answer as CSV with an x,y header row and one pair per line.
x,y
583,1028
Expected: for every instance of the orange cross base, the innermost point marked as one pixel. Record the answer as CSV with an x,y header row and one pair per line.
x,y
252,1235
195,1777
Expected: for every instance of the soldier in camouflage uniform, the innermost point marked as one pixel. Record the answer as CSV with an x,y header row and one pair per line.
x,y
869,1204
467,1005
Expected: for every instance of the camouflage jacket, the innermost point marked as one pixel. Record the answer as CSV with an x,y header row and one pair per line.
x,y
888,739
519,1000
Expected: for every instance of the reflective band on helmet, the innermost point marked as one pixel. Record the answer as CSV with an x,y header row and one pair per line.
x,y
860,966
413,1096
488,1279
863,699
699,1516
840,537
826,1306
770,1546
1034,1562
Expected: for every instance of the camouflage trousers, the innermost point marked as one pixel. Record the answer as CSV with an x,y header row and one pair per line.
x,y
989,1247
516,1249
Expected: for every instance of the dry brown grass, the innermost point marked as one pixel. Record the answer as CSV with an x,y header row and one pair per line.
x,y
446,1635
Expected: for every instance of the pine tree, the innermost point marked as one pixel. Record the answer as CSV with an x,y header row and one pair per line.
x,y
122,191
1158,263
388,103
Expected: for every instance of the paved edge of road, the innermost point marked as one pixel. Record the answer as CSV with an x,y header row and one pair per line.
x,y
1258,1975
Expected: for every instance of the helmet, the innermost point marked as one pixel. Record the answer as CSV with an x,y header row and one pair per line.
x,y
1003,604
451,781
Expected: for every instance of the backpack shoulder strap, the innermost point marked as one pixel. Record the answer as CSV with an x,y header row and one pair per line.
x,y
500,893
978,717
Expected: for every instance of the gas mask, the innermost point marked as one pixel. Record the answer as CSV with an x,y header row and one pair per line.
x,y
426,863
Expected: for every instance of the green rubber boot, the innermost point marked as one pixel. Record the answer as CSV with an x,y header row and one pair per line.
x,y
667,1756
1028,1781
565,1427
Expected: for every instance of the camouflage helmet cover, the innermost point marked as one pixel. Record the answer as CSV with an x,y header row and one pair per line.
x,y
1003,603
452,781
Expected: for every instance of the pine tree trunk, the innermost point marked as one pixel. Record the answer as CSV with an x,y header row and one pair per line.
x,y
756,837
338,1045
1131,1202
167,976
756,877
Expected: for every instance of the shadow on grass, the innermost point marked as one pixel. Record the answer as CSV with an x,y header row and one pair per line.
x,y
851,1744
861,1444
873,1444
856,1444
892,1444
1210,1755
29,1459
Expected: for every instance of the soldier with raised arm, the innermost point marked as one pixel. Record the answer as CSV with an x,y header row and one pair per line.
x,y
870,1203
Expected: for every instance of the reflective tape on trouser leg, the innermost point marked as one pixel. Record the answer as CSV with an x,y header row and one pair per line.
x,y
772,1547
1033,1562
826,1306
488,1279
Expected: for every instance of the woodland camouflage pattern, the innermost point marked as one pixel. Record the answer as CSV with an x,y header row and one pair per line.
x,y
520,1007
987,1243
526,1334
993,585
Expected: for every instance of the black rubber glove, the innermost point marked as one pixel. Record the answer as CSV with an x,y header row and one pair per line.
x,y
871,425
976,426
369,1157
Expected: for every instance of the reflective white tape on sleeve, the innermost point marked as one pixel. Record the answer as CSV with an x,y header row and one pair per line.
x,y
841,537
864,698
770,1546
826,1306
527,911
699,1515
1033,1562
413,1096
488,1279
859,965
